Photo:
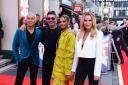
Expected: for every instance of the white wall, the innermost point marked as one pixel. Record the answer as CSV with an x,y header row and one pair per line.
x,y
9,16
36,6
54,6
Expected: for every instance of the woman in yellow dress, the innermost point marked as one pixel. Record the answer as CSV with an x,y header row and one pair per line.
x,y
64,54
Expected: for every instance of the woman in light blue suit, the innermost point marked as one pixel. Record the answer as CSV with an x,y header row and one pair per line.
x,y
25,48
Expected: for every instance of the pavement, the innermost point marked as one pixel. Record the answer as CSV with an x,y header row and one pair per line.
x,y
13,72
109,78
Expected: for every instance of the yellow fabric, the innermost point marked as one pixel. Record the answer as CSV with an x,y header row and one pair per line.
x,y
64,55
58,82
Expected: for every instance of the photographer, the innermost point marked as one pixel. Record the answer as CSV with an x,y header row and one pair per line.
x,y
117,36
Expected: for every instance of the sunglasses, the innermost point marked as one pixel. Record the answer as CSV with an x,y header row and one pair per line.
x,y
52,18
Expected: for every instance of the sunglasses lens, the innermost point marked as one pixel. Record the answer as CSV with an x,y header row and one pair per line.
x,y
52,18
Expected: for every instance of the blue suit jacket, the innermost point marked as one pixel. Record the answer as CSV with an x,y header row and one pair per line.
x,y
22,49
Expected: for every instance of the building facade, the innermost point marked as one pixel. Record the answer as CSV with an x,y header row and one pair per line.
x,y
117,9
121,9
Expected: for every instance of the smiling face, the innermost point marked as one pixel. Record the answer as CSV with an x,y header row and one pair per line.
x,y
87,22
51,20
64,23
30,20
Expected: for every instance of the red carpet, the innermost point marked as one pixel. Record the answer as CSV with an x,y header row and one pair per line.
x,y
124,68
9,80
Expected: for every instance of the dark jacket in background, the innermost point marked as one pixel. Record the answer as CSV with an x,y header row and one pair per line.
x,y
125,34
38,24
119,43
1,25
1,31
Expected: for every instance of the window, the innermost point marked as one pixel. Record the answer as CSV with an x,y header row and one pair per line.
x,y
126,12
116,4
23,7
116,12
122,13
125,4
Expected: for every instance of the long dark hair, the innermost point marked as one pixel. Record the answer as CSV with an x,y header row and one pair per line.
x,y
21,21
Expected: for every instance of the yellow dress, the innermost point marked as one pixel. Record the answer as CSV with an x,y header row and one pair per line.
x,y
64,55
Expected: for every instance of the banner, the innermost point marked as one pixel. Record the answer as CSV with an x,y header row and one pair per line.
x,y
106,53
78,8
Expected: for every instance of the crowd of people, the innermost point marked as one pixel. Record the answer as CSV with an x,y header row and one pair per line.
x,y
73,48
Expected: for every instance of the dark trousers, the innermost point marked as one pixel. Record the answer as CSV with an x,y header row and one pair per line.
x,y
22,69
85,68
121,44
47,72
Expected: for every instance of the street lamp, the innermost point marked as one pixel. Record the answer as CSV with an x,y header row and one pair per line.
x,y
106,10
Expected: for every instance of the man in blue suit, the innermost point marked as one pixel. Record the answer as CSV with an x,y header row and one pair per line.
x,y
25,48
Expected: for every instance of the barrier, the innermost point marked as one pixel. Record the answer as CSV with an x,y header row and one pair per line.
x,y
106,63
108,42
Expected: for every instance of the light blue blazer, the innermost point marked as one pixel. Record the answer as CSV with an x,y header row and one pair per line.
x,y
22,49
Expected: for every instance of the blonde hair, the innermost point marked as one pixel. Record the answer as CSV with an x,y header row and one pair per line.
x,y
93,31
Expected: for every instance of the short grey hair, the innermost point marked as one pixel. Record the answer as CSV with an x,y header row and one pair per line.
x,y
31,14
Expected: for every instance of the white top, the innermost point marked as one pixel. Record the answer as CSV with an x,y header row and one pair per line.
x,y
92,49
76,27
